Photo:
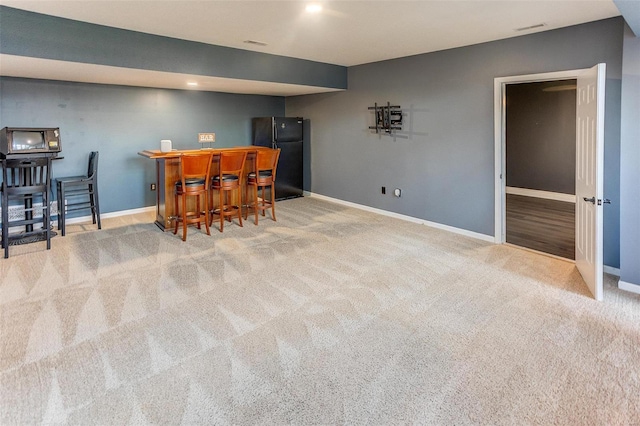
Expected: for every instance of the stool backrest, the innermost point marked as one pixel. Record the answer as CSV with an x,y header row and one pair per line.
x,y
267,159
26,173
195,166
92,170
232,162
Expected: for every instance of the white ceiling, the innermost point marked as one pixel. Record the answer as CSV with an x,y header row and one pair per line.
x,y
343,33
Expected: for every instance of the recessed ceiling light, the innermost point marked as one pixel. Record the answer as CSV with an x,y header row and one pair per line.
x,y
313,8
192,83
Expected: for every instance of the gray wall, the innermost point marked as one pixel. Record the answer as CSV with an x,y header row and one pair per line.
x,y
120,121
541,136
444,158
630,162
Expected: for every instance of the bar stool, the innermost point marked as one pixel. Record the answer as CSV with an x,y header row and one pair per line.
x,y
77,189
195,172
227,181
262,176
22,180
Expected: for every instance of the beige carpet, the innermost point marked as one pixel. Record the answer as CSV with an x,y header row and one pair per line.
x,y
329,316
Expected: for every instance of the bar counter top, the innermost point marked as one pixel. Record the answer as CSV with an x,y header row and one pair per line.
x,y
156,153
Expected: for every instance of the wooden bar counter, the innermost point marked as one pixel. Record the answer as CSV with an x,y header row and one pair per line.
x,y
168,173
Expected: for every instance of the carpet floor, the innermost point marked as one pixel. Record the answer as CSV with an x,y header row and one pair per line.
x,y
331,315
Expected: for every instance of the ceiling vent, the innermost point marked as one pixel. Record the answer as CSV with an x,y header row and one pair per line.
x,y
255,43
531,27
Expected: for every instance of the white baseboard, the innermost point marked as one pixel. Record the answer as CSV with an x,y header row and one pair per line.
x,y
633,288
483,237
569,198
81,219
130,211
611,270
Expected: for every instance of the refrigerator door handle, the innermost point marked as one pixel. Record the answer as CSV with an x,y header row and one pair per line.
x,y
275,130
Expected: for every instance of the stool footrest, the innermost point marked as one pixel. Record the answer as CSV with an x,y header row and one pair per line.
x,y
77,193
79,206
29,237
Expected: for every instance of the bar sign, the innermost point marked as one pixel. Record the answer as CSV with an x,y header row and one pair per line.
x,y
206,137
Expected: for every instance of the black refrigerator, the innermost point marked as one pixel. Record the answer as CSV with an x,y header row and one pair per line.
x,y
284,133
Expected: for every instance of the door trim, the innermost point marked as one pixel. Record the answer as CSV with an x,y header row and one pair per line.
x,y
499,127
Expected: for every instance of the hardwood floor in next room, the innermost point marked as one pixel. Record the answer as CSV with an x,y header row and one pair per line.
x,y
540,224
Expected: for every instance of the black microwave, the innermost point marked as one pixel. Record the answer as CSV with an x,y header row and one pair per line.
x,y
29,140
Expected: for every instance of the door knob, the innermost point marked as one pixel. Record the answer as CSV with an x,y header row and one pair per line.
x,y
591,200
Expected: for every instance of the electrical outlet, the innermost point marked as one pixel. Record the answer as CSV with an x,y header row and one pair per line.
x,y
397,192
153,186
384,190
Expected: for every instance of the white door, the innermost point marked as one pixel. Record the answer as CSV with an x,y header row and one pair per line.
x,y
589,170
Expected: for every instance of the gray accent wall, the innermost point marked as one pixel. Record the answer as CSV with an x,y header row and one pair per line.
x,y
120,121
443,159
630,162
24,33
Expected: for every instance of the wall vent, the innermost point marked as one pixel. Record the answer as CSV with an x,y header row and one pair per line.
x,y
255,42
531,27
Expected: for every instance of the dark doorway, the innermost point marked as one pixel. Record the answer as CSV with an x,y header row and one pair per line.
x,y
540,166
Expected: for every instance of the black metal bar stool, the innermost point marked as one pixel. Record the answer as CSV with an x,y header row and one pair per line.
x,y
79,193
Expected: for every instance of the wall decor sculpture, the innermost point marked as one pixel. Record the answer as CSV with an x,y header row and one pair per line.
x,y
387,118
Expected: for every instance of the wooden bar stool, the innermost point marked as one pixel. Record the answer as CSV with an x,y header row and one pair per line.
x,y
262,176
228,181
195,173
